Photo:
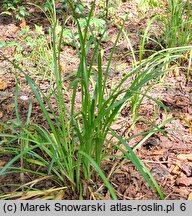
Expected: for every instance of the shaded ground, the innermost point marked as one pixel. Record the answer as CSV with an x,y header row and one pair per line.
x,y
168,158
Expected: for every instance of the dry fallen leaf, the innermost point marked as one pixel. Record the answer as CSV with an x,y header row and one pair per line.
x,y
181,101
10,107
185,157
3,85
175,72
189,197
159,152
165,142
182,191
12,29
2,163
62,68
184,181
188,117
23,24
176,170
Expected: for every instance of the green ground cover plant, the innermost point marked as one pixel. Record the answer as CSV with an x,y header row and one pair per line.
x,y
177,24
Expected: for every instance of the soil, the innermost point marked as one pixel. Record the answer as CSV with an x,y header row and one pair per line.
x,y
169,158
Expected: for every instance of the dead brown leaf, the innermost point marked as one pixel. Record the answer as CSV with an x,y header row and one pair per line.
x,y
12,29
2,163
3,85
189,197
10,107
184,181
182,191
165,142
176,170
175,72
188,117
159,152
185,157
181,101
23,23
62,68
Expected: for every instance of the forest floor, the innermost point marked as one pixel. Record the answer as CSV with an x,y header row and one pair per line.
x,y
169,158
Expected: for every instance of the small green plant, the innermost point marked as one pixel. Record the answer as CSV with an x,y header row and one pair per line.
x,y
39,50
149,3
13,6
10,4
177,24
